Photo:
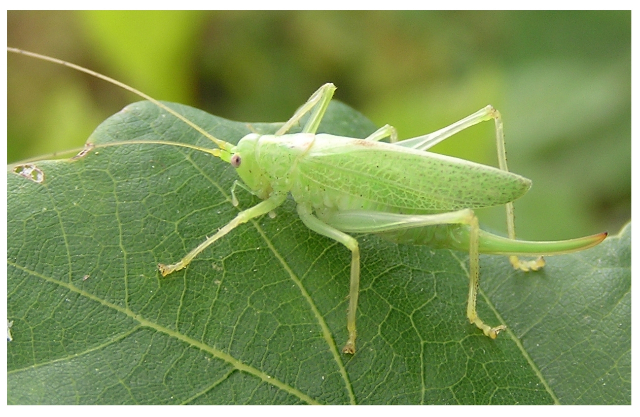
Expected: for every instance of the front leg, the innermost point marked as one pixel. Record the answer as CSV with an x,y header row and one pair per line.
x,y
259,209
318,102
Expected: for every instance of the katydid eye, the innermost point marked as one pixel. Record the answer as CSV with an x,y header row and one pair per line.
x,y
235,160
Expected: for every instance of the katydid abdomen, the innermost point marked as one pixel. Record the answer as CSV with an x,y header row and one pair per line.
x,y
354,185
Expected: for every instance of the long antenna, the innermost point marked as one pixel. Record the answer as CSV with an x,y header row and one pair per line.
x,y
225,147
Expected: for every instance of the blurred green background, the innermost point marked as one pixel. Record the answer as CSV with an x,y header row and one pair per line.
x,y
562,81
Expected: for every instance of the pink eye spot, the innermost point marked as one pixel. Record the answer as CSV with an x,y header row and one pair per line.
x,y
235,160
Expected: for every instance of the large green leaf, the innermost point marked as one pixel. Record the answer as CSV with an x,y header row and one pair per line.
x,y
260,316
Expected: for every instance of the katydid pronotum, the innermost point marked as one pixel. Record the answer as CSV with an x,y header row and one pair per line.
x,y
397,190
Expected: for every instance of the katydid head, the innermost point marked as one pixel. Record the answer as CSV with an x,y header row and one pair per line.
x,y
244,161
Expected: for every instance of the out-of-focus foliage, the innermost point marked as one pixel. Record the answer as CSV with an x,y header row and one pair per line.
x,y
561,80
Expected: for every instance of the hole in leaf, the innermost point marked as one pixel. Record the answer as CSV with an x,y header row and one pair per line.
x,y
31,172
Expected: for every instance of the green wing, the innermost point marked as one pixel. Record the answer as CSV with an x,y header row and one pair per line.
x,y
356,174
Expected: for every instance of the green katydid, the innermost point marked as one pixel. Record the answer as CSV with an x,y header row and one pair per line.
x,y
398,190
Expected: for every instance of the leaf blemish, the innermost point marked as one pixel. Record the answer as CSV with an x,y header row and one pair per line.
x,y
87,148
30,172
